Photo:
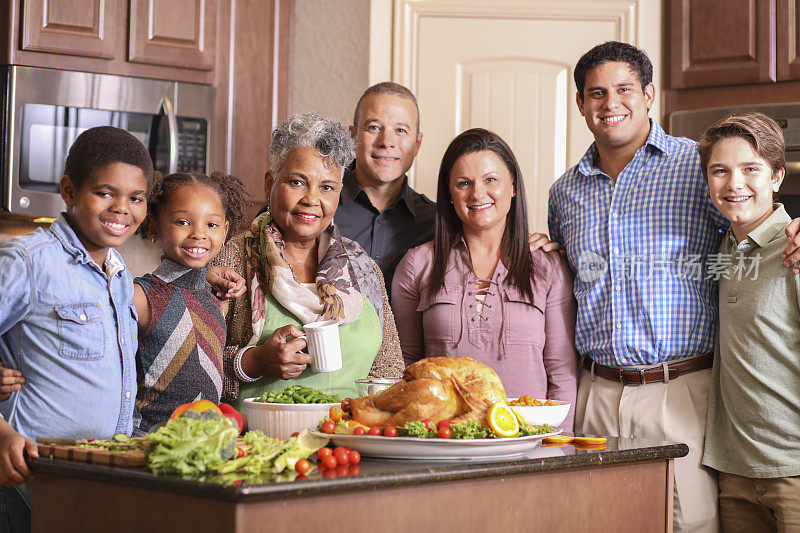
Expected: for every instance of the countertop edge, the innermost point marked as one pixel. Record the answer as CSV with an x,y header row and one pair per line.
x,y
426,473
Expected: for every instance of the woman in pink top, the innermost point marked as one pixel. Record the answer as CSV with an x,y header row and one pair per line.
x,y
477,290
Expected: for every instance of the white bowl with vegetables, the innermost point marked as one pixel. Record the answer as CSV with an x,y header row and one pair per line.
x,y
552,412
276,417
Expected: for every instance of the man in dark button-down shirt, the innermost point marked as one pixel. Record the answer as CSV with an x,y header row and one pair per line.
x,y
387,235
377,208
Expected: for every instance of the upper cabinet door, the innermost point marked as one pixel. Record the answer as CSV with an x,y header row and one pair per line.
x,y
721,42
174,33
788,40
75,27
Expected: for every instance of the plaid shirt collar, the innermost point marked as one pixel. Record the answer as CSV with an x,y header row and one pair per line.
x,y
657,138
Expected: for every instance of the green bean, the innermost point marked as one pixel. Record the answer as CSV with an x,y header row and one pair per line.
x,y
298,398
297,394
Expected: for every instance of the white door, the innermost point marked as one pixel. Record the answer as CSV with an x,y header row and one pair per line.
x,y
507,66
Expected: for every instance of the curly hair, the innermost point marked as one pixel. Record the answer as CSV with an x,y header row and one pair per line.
x,y
636,58
230,190
96,148
312,130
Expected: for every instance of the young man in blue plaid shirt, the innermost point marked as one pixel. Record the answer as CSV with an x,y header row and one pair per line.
x,y
638,227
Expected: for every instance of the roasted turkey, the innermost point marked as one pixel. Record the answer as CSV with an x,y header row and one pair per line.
x,y
440,388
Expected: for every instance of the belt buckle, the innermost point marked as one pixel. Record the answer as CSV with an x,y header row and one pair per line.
x,y
642,380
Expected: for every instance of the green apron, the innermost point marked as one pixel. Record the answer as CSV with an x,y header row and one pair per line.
x,y
360,342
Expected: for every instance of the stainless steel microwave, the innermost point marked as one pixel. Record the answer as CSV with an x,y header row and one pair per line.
x,y
44,110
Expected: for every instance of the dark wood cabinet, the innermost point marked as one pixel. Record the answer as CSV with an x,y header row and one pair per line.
x,y
731,53
173,33
75,27
162,39
788,40
253,65
721,42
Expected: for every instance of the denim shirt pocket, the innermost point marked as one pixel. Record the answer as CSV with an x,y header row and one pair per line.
x,y
523,321
80,331
440,312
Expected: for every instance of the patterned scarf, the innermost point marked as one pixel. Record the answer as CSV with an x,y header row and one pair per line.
x,y
268,270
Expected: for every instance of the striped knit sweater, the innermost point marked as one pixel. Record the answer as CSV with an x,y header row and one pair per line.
x,y
180,357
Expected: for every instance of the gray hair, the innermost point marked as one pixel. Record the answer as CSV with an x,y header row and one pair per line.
x,y
312,130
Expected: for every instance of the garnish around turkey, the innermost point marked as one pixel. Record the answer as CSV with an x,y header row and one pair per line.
x,y
427,429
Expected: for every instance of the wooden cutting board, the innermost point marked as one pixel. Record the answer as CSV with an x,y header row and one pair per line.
x,y
65,450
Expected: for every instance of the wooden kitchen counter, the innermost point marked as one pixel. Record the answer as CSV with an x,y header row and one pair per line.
x,y
626,486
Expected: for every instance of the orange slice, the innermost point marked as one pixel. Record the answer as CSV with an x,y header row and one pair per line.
x,y
346,427
590,441
502,420
590,446
558,439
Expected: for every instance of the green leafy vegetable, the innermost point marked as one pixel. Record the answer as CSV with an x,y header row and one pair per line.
x,y
191,446
468,430
471,430
416,429
527,429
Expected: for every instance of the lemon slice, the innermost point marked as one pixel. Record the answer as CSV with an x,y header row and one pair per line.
x,y
502,420
520,418
312,442
590,440
558,439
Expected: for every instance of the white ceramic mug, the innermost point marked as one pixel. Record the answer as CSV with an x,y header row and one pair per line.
x,y
322,339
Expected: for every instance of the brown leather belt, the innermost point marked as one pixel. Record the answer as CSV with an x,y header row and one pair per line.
x,y
650,375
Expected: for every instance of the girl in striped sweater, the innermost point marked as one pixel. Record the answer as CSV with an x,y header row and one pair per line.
x,y
181,323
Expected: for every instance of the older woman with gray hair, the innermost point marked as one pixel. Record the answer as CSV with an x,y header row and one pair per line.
x,y
299,269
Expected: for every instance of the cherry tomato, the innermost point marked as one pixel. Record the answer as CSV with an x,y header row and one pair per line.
x,y
341,470
322,452
390,431
328,426
329,461
354,470
336,413
374,430
329,472
240,452
341,456
445,432
355,457
295,434
428,424
358,430
302,466
444,424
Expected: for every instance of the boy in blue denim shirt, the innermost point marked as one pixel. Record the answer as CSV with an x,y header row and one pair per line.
x,y
67,320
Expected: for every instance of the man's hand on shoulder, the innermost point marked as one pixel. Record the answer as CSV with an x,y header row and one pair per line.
x,y
541,240
791,254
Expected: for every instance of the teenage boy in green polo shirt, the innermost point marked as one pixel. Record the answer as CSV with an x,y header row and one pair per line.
x,y
753,423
